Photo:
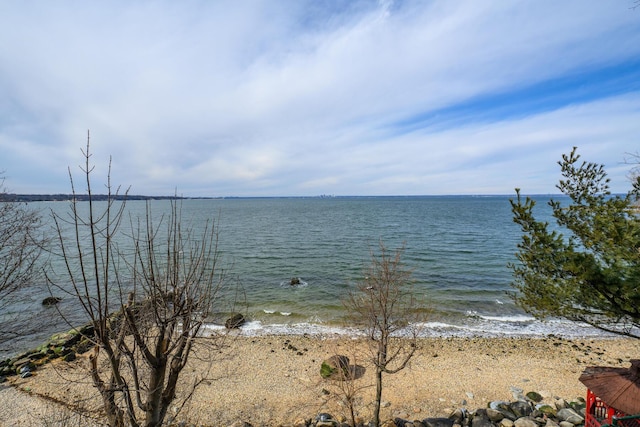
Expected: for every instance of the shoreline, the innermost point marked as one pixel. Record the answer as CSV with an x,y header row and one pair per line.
x,y
274,379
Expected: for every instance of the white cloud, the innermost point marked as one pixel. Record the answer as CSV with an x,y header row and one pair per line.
x,y
296,98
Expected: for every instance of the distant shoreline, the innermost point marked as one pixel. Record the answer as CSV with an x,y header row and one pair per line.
x,y
10,197
85,197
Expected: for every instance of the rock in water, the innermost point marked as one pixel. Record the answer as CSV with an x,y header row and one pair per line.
x,y
51,301
235,321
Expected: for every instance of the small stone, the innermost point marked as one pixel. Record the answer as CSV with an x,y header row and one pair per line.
x,y
561,404
480,419
525,422
547,410
324,417
534,396
506,422
494,415
521,408
551,423
570,416
26,374
300,423
438,422
385,404
458,415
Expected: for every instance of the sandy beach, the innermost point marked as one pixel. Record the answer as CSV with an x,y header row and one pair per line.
x,y
274,380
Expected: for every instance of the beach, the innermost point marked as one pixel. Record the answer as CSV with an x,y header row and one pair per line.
x,y
275,380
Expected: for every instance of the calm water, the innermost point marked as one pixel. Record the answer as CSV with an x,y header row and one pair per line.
x,y
457,246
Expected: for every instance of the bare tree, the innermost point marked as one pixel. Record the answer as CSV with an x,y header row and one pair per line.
x,y
146,299
343,380
383,305
20,249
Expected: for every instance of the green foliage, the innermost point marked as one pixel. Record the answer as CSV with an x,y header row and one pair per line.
x,y
326,371
590,272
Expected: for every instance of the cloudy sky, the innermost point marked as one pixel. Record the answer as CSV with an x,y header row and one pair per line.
x,y
309,97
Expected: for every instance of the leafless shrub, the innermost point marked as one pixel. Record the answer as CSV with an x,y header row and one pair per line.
x,y
383,305
145,321
346,385
20,249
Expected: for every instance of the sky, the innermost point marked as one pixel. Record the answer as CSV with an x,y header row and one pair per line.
x,y
311,97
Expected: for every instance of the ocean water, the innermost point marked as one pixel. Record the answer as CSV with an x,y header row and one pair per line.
x,y
457,246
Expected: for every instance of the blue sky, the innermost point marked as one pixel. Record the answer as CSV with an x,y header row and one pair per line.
x,y
297,98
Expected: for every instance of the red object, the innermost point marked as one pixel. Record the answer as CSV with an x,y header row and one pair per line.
x,y
599,413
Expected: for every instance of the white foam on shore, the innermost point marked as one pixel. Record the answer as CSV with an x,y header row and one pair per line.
x,y
480,326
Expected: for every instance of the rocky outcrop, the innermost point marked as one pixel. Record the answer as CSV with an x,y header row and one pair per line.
x,y
65,345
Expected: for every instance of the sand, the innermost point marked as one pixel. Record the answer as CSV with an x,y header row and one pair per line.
x,y
274,380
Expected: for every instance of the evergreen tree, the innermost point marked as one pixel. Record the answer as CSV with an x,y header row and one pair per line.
x,y
587,270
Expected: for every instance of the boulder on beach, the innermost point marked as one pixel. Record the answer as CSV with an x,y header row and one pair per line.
x,y
336,366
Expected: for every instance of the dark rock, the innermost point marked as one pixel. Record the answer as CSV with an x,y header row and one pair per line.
x,y
534,396
37,356
83,346
235,321
294,281
438,422
495,415
480,419
325,420
70,357
324,417
458,416
48,301
504,408
525,422
19,364
547,410
521,408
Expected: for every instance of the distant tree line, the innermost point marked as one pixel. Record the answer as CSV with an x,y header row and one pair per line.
x,y
8,197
